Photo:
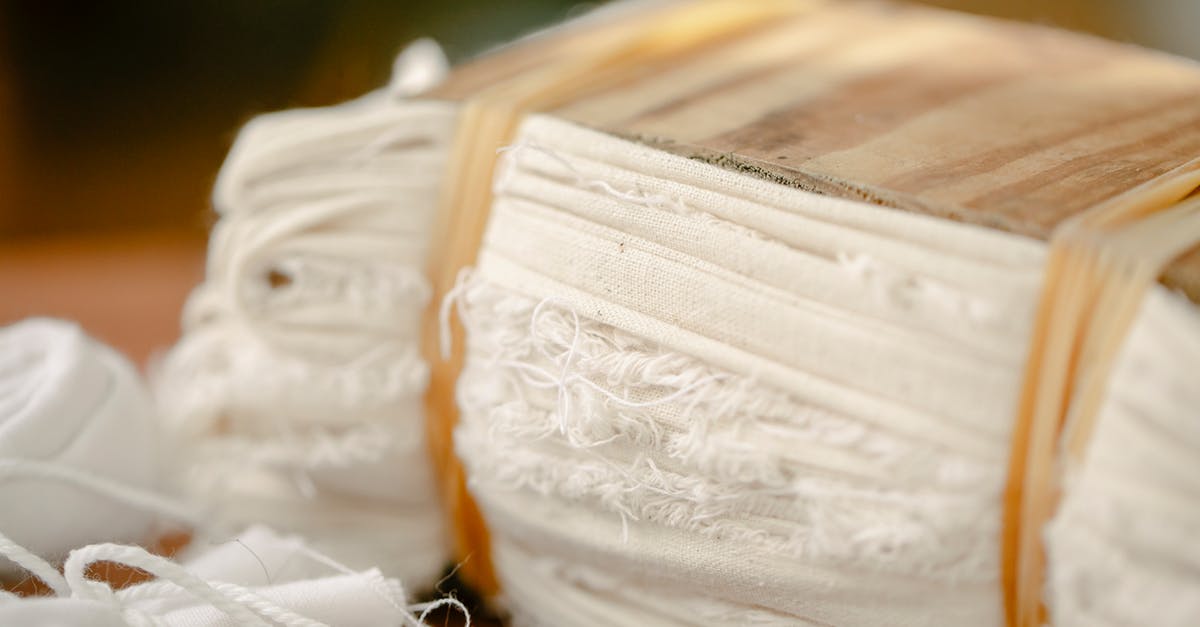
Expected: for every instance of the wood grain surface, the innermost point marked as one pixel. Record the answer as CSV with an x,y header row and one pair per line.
x,y
1005,125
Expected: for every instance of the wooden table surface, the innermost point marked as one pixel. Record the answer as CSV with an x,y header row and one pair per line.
x,y
126,289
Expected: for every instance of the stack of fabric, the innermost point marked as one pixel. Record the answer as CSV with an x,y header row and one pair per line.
x,y
295,395
795,313
723,312
761,403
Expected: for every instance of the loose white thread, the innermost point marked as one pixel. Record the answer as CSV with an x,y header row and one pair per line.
x,y
512,157
246,609
243,605
713,457
446,310
36,566
426,608
538,377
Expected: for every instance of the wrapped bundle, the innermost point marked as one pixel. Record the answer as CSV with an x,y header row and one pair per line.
x,y
806,313
821,314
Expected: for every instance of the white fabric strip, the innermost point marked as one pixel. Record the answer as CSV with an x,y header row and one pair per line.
x,y
68,401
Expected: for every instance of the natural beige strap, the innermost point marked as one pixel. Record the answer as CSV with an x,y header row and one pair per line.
x,y
1100,265
598,58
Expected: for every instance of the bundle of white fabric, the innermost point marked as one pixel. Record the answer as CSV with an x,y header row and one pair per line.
x,y
692,397
697,398
295,393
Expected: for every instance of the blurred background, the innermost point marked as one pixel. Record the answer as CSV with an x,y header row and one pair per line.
x,y
114,117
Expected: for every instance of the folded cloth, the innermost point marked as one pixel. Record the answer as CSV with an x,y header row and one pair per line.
x,y
258,578
74,418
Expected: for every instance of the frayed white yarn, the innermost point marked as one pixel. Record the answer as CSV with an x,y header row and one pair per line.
x,y
35,565
116,491
512,154
658,437
238,603
561,382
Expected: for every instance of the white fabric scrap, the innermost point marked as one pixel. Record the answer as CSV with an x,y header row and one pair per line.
x,y
259,578
74,414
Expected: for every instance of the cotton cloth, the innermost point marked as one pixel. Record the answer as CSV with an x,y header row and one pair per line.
x,y
68,401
